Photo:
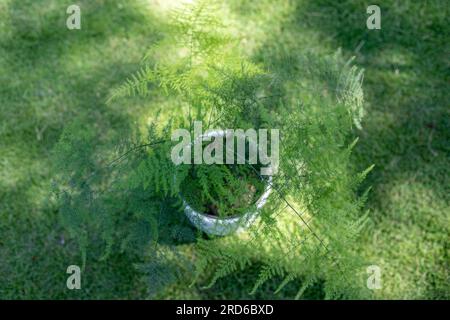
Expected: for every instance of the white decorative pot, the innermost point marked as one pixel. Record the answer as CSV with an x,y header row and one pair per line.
x,y
223,226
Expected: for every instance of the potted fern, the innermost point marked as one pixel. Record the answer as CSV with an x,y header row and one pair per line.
x,y
223,90
142,200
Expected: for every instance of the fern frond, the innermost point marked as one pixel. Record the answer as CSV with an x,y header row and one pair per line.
x,y
137,84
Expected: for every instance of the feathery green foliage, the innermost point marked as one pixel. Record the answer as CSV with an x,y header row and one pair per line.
x,y
308,229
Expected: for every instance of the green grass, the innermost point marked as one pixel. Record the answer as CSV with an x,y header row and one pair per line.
x,y
50,77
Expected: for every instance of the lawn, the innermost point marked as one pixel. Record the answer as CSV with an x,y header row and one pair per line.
x,y
51,77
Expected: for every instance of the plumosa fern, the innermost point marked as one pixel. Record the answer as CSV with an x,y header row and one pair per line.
x,y
308,229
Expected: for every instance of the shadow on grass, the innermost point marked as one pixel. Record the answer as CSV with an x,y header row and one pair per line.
x,y
51,77
405,78
55,74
